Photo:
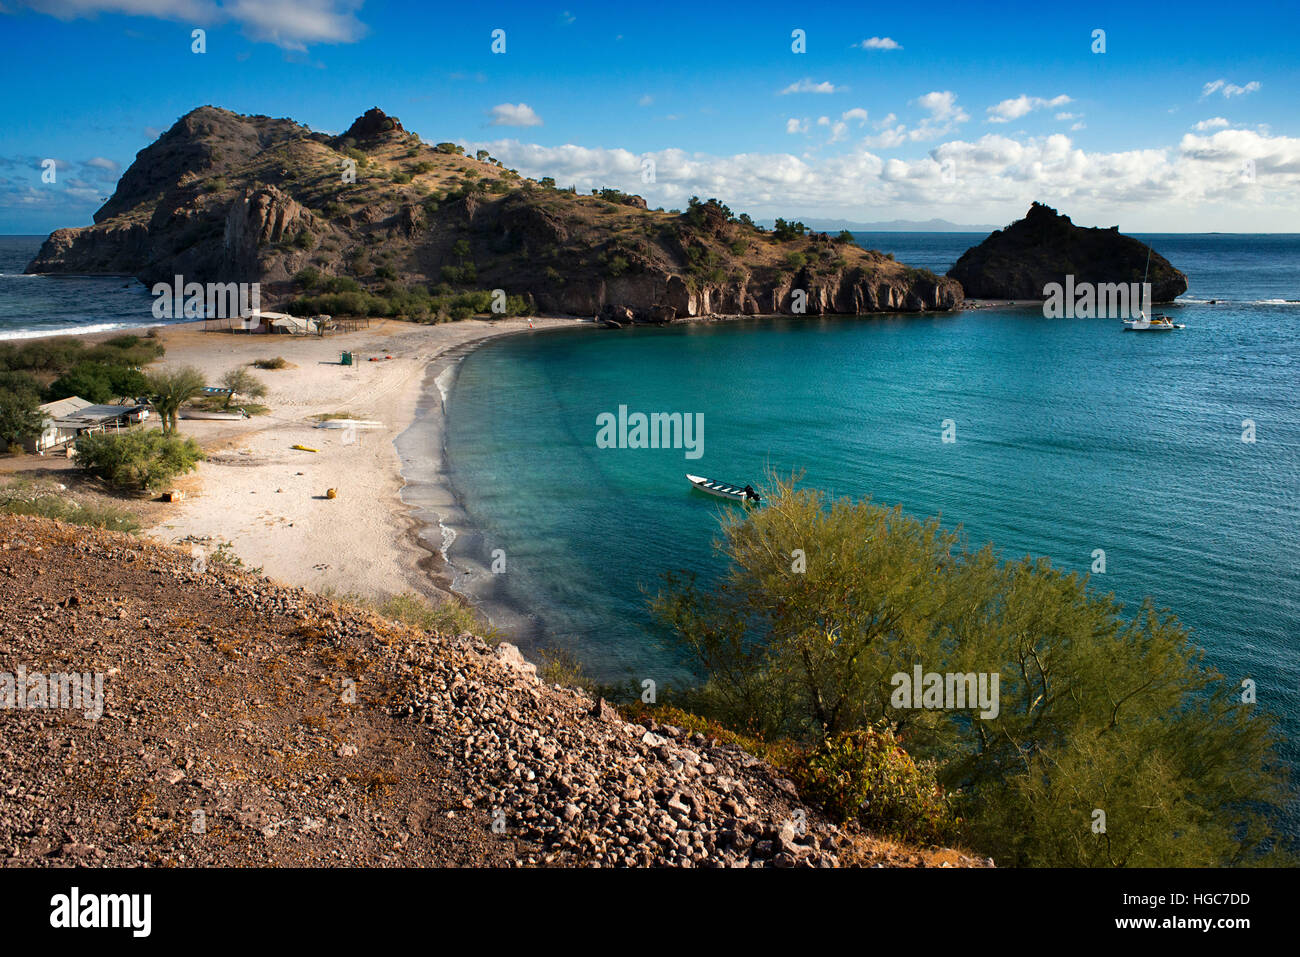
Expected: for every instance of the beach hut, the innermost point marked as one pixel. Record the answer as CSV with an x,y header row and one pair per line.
x,y
74,416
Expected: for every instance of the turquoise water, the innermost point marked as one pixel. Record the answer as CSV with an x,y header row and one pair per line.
x,y
1071,436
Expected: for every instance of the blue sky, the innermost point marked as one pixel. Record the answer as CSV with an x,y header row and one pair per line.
x,y
1187,121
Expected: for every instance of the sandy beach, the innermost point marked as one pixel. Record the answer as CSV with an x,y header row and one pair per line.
x,y
268,500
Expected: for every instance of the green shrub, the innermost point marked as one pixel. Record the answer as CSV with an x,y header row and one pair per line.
x,y
785,231
242,382
1095,708
865,776
137,459
27,499
97,382
448,618
277,363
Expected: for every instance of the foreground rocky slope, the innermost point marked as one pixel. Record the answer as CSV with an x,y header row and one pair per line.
x,y
1045,246
246,723
222,197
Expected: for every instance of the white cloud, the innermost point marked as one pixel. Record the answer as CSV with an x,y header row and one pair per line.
x,y
645,100
1228,90
997,176
1067,116
942,105
293,24
945,116
1019,106
514,114
887,139
806,85
857,114
1214,123
878,43
794,125
289,24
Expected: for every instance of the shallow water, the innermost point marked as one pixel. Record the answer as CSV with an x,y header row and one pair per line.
x,y
1072,435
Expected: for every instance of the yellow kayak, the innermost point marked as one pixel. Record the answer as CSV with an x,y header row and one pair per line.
x,y
304,448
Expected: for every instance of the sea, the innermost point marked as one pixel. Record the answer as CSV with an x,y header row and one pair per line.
x,y
1071,436
1176,454
34,305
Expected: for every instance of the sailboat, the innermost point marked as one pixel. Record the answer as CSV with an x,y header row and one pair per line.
x,y
1145,323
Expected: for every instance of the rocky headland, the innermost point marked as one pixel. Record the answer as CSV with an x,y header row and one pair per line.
x,y
1045,247
221,197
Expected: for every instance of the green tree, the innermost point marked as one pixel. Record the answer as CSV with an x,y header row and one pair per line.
x,y
824,605
20,413
785,231
137,458
170,389
98,382
240,380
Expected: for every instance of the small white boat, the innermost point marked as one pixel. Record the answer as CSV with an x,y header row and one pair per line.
x,y
362,424
221,416
746,495
1153,324
1145,323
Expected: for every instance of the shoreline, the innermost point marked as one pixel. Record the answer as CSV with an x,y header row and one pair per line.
x,y
267,500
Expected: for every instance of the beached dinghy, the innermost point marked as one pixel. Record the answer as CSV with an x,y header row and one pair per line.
x,y
362,424
746,495
218,416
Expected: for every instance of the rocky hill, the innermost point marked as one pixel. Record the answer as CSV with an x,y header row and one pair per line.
x,y
222,197
1017,262
244,723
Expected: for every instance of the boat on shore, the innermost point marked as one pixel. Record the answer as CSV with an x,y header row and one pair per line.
x,y
733,493
220,416
363,424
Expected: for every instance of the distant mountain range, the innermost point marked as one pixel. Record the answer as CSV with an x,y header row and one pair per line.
x,y
900,226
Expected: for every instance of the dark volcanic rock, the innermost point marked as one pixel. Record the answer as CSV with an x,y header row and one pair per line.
x,y
374,124
1017,262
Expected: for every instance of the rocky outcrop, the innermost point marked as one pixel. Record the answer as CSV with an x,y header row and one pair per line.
x,y
262,217
1045,247
373,125
227,198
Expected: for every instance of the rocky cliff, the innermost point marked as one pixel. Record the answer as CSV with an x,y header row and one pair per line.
x,y
377,213
1045,246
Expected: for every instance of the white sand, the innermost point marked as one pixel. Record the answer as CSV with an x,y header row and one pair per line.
x,y
268,500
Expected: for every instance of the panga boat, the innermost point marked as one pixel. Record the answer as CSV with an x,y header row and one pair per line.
x,y
221,416
349,423
746,495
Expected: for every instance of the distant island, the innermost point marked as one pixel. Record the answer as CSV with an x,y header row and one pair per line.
x,y
901,226
378,222
1045,247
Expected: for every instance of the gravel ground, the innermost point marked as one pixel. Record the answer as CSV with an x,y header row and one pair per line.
x,y
245,723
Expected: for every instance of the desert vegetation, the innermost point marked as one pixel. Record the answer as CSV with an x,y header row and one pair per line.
x,y
1107,716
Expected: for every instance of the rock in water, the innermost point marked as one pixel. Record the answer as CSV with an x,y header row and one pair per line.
x,y
1017,262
